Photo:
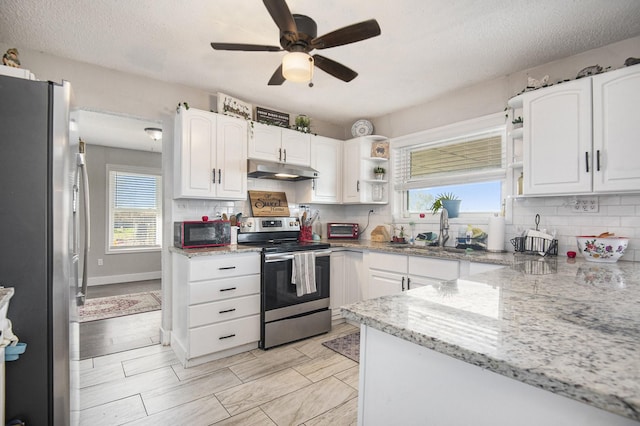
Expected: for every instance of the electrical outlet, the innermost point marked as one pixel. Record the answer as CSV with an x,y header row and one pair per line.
x,y
100,262
372,212
586,205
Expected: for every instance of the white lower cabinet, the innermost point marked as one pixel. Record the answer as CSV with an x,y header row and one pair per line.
x,y
393,273
216,306
387,274
426,271
346,279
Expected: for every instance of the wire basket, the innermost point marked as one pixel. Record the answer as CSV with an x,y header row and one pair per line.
x,y
535,245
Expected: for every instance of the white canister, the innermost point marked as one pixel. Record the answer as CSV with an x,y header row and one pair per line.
x,y
234,234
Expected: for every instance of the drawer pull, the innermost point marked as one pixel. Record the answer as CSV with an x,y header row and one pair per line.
x,y
227,310
226,267
226,337
228,289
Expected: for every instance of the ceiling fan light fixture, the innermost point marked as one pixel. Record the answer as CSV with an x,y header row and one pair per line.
x,y
154,133
297,67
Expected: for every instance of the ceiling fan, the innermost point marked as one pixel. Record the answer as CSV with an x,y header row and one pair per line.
x,y
298,36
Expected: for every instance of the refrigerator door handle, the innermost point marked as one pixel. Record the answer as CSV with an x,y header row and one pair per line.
x,y
82,168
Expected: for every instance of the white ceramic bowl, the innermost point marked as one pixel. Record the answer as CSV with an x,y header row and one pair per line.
x,y
605,250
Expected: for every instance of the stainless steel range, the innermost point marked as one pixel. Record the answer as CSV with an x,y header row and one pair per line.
x,y
286,314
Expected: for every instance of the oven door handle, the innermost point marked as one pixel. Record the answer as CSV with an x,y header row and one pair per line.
x,y
270,258
281,257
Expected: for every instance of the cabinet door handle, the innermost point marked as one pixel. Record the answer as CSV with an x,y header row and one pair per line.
x,y
598,160
586,156
358,186
228,289
279,154
226,267
313,184
402,283
227,310
285,155
408,283
214,175
226,337
219,176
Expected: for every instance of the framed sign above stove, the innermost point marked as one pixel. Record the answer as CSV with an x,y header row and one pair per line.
x,y
268,204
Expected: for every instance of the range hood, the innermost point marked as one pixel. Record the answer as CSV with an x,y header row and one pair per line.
x,y
259,169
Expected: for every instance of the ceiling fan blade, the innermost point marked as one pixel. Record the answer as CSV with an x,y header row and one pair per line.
x,y
245,47
281,15
346,35
334,68
277,78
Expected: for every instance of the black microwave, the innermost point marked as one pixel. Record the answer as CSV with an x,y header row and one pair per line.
x,y
195,234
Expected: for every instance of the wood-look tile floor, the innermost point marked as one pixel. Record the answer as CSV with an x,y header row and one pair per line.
x,y
302,383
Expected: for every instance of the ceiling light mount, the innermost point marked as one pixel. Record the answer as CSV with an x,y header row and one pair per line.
x,y
154,133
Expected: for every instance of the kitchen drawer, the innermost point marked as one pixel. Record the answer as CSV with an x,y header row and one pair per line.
x,y
227,288
434,268
218,337
388,262
225,310
222,266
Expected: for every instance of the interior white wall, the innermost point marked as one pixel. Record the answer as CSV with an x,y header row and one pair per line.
x,y
116,267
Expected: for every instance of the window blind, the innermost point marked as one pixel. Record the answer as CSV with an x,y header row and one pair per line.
x,y
135,213
479,157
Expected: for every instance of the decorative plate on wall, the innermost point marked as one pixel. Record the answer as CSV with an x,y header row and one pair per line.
x,y
362,128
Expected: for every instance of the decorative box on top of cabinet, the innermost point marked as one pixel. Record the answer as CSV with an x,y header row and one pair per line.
x,y
579,135
210,156
216,306
359,183
278,144
326,158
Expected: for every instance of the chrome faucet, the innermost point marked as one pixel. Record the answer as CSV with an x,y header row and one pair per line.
x,y
443,236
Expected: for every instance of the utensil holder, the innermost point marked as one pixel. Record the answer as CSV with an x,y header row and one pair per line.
x,y
306,233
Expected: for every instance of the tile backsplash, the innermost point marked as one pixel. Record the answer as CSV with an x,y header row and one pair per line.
x,y
619,214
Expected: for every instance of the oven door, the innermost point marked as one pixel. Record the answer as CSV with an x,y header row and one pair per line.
x,y
277,290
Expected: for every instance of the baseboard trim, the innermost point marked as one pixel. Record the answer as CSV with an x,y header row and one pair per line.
x,y
125,278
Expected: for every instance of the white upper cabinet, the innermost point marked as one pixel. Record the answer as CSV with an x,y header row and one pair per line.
x,y
210,156
273,143
616,130
581,136
557,139
326,158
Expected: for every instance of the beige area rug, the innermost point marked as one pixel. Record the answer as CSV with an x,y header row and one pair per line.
x,y
348,345
117,306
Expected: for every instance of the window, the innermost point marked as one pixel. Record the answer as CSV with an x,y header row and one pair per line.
x,y
466,161
134,209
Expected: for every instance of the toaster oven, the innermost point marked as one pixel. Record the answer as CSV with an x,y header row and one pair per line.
x,y
343,230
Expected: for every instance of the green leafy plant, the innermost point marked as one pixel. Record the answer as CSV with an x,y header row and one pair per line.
x,y
437,203
379,170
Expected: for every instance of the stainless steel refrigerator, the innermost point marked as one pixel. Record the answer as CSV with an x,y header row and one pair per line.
x,y
38,171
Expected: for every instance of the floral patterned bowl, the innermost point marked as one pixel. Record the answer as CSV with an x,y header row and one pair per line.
x,y
605,250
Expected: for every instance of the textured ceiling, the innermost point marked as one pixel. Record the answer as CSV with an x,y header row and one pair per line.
x,y
427,47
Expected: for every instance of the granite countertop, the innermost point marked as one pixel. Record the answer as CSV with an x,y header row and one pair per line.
x,y
564,325
450,253
5,296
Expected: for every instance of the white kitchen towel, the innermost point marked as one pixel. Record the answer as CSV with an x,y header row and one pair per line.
x,y
303,273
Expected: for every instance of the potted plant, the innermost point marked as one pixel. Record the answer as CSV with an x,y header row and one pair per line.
x,y
379,172
303,123
517,123
449,201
